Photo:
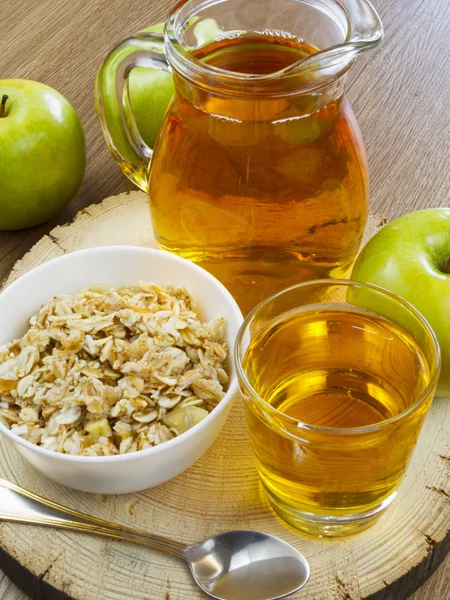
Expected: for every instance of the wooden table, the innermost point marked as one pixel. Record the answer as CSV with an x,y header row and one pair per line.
x,y
399,95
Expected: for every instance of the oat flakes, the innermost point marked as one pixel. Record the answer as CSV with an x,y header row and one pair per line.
x,y
104,373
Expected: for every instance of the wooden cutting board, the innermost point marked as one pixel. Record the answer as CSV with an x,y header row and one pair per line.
x,y
221,491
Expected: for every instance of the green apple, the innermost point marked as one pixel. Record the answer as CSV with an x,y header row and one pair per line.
x,y
411,257
151,90
42,153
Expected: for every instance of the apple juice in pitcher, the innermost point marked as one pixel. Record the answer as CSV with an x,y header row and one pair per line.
x,y
264,193
258,173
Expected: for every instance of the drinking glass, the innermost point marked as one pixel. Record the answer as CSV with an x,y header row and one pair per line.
x,y
337,377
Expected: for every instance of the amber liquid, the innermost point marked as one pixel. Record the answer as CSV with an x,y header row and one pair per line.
x,y
335,370
263,192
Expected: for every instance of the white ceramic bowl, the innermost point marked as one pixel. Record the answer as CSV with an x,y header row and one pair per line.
x,y
116,266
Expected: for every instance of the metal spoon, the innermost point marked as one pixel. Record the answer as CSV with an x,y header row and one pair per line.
x,y
236,565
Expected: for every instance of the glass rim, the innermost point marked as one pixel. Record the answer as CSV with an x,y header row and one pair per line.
x,y
301,425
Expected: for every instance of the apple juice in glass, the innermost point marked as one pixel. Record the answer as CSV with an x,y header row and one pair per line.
x,y
259,172
337,378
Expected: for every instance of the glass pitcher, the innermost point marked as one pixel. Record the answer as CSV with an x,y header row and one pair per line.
x,y
259,172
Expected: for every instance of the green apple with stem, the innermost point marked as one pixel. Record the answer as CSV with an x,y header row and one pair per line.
x,y
42,153
411,257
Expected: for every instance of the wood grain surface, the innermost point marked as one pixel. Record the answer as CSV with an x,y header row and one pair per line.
x,y
220,492
399,95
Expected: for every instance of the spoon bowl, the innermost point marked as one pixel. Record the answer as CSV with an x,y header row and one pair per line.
x,y
236,565
247,565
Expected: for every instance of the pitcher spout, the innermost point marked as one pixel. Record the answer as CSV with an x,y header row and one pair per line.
x,y
358,29
365,25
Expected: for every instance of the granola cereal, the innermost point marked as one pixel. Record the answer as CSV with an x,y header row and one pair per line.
x,y
104,373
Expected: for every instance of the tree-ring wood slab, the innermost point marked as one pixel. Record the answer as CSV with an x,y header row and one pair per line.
x,y
220,492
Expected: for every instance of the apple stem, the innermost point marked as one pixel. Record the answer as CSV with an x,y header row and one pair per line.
x,y
2,105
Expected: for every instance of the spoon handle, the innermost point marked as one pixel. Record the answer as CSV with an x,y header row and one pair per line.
x,y
20,505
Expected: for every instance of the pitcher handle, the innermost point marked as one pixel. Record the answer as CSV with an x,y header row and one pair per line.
x,y
113,102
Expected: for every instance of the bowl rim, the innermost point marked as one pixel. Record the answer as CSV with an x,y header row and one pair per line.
x,y
186,435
